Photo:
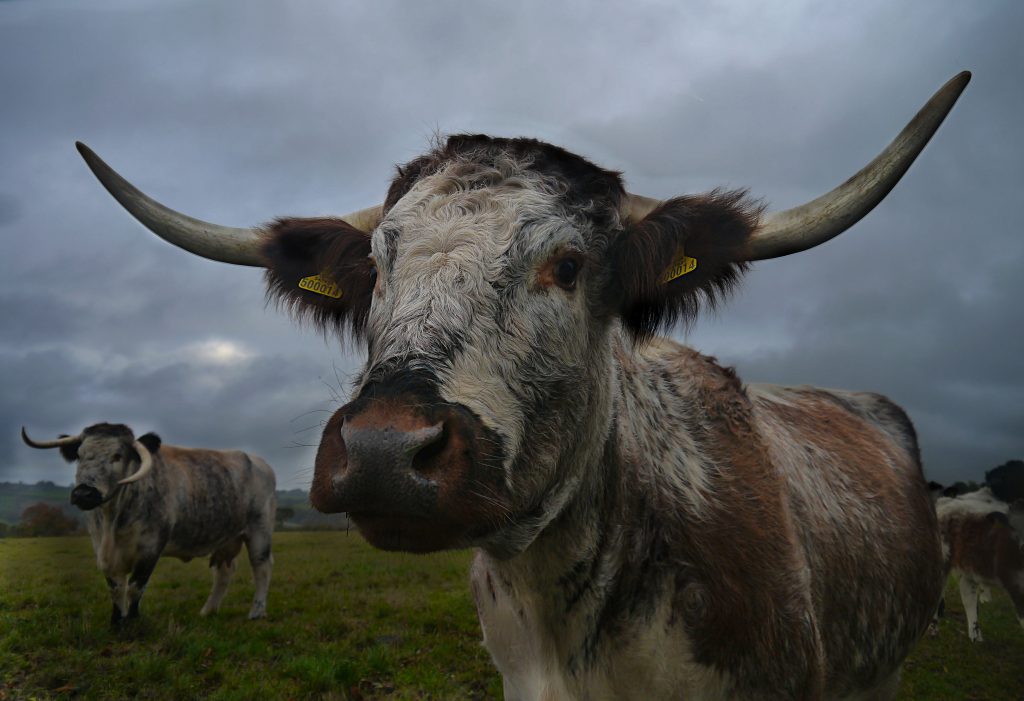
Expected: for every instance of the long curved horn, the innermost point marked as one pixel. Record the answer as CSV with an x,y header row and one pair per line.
x,y
144,468
815,222
66,440
221,243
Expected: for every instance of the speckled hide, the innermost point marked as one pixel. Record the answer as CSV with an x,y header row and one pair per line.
x,y
732,542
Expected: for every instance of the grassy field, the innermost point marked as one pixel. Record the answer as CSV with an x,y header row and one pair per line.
x,y
346,622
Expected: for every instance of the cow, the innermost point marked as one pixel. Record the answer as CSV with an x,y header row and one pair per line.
x,y
646,525
983,544
144,500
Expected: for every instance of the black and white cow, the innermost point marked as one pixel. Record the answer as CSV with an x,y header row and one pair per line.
x,y
144,500
647,526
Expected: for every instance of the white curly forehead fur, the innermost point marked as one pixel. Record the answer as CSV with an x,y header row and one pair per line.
x,y
459,294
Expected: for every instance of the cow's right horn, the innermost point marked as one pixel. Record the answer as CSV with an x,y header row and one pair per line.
x,y
221,243
66,440
146,459
225,244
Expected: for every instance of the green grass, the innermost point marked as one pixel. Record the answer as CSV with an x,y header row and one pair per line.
x,y
950,666
346,622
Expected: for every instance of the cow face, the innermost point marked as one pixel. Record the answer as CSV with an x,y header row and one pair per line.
x,y
107,456
103,459
488,298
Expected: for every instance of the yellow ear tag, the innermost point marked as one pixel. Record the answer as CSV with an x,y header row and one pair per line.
x,y
321,285
680,266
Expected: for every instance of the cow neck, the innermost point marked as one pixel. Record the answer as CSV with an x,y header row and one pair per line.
x,y
593,563
561,582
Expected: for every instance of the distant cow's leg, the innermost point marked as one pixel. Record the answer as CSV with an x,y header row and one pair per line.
x,y
940,611
258,545
137,583
969,596
222,563
118,587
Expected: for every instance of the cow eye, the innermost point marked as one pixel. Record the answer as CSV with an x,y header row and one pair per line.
x,y
373,274
116,458
566,271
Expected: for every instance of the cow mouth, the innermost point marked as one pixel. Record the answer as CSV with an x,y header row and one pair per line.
x,y
415,534
86,498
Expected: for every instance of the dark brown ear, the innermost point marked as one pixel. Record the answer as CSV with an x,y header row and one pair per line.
x,y
151,441
70,451
685,254
320,270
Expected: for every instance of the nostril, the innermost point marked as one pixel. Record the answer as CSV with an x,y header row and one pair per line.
x,y
430,444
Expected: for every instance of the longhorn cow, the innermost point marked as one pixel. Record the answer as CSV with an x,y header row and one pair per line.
x,y
647,526
144,500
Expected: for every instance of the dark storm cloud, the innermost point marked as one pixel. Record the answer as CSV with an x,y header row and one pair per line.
x,y
239,112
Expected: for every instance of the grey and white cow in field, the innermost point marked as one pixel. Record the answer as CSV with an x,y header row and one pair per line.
x,y
647,526
144,500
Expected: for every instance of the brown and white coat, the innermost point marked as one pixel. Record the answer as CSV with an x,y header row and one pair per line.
x,y
983,544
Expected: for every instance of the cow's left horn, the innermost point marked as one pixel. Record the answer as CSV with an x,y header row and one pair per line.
x,y
66,440
815,222
146,464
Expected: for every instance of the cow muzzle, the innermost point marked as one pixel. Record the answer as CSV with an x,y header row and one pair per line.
x,y
85,497
412,475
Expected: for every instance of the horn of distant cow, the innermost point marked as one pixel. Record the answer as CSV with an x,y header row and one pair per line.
x,y
66,440
144,468
815,222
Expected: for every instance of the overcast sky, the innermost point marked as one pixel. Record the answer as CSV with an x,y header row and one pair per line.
x,y
238,112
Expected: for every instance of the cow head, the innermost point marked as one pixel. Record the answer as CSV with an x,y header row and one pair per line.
x,y
485,296
108,457
489,289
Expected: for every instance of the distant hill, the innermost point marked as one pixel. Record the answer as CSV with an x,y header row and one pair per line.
x,y
16,496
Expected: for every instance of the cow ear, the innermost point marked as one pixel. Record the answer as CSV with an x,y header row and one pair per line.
x,y
70,451
151,441
684,255
320,270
